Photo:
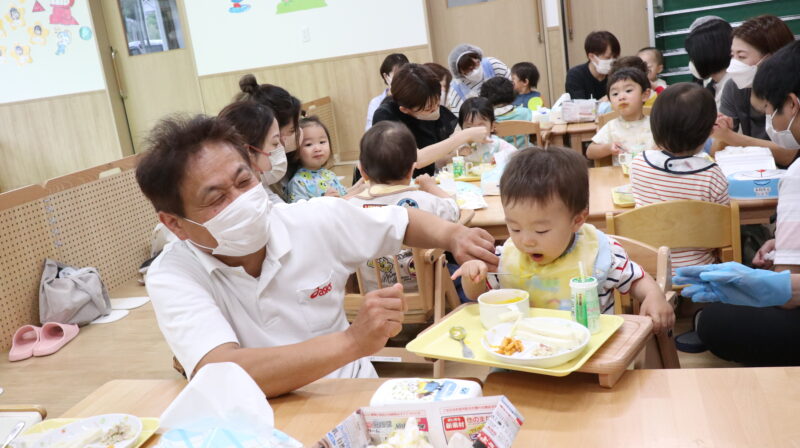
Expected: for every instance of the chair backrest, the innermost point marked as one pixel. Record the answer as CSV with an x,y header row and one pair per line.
x,y
513,128
654,261
682,224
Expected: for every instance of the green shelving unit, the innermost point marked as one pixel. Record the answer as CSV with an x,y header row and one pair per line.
x,y
670,20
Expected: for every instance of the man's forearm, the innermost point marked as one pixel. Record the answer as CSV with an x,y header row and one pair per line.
x,y
427,230
279,370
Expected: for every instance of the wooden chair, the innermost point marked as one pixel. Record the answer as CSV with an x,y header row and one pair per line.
x,y
682,224
602,120
435,292
514,128
655,262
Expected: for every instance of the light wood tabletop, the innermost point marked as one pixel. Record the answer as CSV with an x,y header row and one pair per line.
x,y
742,407
601,181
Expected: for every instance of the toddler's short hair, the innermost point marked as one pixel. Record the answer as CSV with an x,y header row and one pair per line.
x,y
683,117
526,71
656,52
388,152
498,90
629,73
477,106
540,175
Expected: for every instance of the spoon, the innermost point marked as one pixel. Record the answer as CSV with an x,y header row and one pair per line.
x,y
458,334
13,435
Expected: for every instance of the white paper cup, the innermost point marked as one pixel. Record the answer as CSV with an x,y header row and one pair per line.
x,y
493,310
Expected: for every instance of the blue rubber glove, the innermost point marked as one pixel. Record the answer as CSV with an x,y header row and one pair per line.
x,y
735,284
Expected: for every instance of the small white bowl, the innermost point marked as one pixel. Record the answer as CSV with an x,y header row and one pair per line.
x,y
494,337
492,312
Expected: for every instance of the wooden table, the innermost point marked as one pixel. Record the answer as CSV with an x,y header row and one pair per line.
x,y
742,407
572,134
601,181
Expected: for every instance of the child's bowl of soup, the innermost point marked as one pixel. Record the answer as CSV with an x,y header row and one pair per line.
x,y
503,305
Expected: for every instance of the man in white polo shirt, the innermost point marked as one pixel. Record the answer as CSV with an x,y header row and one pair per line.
x,y
263,285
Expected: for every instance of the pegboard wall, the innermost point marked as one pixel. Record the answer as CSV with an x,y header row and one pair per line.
x,y
79,220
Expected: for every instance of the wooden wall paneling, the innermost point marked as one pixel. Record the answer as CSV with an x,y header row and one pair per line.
x,y
350,81
45,138
626,19
557,64
504,29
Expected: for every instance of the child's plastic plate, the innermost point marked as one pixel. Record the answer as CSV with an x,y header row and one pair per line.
x,y
435,342
149,426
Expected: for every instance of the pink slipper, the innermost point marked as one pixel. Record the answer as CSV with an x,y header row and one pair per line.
x,y
23,342
54,336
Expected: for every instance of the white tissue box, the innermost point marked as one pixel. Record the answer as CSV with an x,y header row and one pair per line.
x,y
574,111
755,184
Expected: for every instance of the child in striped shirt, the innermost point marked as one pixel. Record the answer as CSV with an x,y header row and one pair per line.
x,y
681,122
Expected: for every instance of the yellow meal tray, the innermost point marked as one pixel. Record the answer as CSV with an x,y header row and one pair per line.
x,y
436,343
149,427
621,199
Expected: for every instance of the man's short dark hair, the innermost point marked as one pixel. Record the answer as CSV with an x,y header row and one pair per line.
x,y
415,87
709,47
597,42
683,117
629,73
658,54
171,146
388,152
498,90
391,61
526,71
540,175
477,106
777,76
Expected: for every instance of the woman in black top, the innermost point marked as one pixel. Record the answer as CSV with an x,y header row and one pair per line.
x,y
415,102
588,80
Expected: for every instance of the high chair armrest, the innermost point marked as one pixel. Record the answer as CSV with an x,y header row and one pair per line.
x,y
466,217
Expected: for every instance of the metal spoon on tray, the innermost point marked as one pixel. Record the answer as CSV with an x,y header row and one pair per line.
x,y
458,334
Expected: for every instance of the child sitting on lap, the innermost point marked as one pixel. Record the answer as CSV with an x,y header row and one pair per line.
x,y
500,93
545,197
682,118
525,78
479,112
628,88
312,179
387,160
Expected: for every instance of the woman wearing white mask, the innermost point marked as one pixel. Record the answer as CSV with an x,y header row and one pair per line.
x,y
416,94
287,110
470,69
709,48
588,80
264,286
389,67
753,42
258,127
765,331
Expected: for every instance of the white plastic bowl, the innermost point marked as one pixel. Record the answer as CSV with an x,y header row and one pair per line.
x,y
494,337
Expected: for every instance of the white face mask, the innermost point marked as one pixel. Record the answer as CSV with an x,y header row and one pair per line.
x,y
279,166
693,70
603,66
742,74
242,227
783,138
475,75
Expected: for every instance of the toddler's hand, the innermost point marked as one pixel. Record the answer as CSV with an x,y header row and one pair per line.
x,y
760,260
425,181
474,270
660,311
617,148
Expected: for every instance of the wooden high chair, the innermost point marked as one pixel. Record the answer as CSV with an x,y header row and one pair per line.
x,y
602,120
682,224
657,263
427,305
514,128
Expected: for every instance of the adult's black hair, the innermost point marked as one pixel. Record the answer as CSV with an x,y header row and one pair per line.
x,y
709,47
499,90
778,76
597,42
391,61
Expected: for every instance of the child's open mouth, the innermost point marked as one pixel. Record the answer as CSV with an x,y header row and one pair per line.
x,y
537,257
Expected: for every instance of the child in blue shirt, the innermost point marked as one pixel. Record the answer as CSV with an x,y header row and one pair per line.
x,y
312,179
500,92
525,78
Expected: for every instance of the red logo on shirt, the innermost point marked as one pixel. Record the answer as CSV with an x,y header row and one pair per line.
x,y
321,291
